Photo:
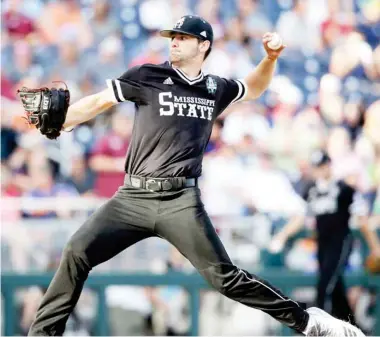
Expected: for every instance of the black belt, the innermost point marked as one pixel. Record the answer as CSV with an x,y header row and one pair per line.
x,y
160,184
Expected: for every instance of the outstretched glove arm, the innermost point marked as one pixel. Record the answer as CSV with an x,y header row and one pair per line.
x,y
89,107
47,110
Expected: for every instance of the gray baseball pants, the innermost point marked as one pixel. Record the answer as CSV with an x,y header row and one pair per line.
x,y
134,214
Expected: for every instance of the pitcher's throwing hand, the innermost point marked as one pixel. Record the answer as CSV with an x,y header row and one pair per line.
x,y
273,45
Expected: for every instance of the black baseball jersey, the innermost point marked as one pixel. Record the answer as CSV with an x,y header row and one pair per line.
x,y
174,117
331,204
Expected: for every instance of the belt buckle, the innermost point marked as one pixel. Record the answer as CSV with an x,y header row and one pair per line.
x,y
153,185
167,185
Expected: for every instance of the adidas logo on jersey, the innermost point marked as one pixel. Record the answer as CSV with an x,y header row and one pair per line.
x,y
168,81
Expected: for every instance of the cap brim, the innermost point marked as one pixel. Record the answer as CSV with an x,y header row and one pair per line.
x,y
169,33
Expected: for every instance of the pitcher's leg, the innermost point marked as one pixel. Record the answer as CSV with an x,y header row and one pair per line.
x,y
189,229
106,233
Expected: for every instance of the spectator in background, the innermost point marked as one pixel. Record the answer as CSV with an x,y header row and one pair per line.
x,y
330,100
346,164
302,181
307,132
9,210
376,58
108,157
279,142
210,11
372,124
22,156
254,23
153,52
156,14
102,23
108,64
11,123
42,185
253,19
18,25
247,150
6,88
288,97
237,46
33,177
296,30
8,142
332,33
180,8
280,198
21,63
339,145
368,182
353,113
81,177
353,57
222,196
368,21
371,132
246,119
63,17
219,56
69,67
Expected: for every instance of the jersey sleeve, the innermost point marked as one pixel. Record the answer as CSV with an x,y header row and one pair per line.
x,y
128,86
232,91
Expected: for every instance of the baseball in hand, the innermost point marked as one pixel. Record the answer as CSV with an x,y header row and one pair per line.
x,y
275,42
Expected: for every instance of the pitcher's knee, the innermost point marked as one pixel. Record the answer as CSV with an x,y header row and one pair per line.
x,y
75,252
224,278
224,289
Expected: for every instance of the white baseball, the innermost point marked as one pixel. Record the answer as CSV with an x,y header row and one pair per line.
x,y
275,42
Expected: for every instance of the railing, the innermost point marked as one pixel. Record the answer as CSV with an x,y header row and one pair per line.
x,y
193,283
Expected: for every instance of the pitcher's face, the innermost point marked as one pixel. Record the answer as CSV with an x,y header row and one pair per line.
x,y
184,47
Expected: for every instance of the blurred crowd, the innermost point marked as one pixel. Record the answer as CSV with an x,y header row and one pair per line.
x,y
325,94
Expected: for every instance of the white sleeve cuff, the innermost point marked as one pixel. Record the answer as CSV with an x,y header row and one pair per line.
x,y
115,87
111,95
243,90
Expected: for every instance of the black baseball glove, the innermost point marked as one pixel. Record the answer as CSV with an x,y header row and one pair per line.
x,y
46,109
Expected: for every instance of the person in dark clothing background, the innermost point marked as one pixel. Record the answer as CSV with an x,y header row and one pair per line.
x,y
332,203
